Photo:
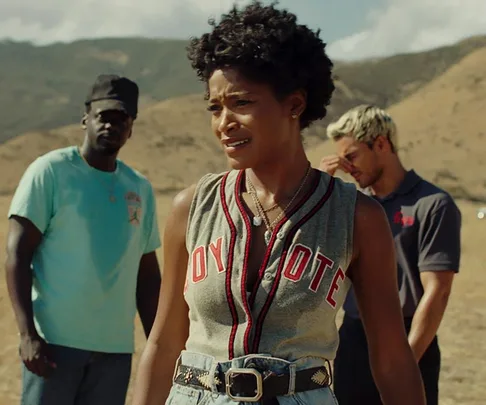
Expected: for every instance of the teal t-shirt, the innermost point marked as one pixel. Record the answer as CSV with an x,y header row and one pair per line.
x,y
96,226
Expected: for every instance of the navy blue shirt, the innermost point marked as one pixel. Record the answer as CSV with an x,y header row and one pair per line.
x,y
426,226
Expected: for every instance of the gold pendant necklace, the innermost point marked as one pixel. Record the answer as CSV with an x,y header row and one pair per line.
x,y
262,217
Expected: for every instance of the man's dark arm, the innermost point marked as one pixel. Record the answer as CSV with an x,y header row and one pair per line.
x,y
22,240
148,288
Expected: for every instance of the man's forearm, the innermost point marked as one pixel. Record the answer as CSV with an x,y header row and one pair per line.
x,y
19,284
426,321
147,301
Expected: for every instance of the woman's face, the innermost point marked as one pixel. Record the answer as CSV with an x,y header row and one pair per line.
x,y
253,126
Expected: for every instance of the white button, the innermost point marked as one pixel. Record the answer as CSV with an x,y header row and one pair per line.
x,y
280,235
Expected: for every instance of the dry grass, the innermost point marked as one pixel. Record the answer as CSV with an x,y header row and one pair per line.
x,y
461,334
442,134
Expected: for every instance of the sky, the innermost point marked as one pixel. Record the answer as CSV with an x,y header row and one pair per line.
x,y
353,29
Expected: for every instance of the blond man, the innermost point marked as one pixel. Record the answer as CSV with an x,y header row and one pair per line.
x,y
426,225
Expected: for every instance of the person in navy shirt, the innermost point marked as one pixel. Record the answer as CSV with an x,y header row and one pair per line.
x,y
426,225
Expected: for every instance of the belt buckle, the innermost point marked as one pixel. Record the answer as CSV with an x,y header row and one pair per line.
x,y
248,371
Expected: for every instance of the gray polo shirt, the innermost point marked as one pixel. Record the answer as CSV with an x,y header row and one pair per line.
x,y
426,225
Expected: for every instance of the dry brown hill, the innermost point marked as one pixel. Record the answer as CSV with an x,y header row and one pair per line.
x,y
442,129
442,134
50,81
172,144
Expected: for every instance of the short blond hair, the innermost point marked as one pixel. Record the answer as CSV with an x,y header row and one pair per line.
x,y
365,123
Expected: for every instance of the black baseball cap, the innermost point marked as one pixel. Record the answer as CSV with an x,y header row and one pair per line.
x,y
113,92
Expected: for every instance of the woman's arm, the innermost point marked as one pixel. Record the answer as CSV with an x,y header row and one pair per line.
x,y
171,326
373,272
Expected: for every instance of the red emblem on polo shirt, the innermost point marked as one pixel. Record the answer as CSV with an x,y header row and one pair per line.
x,y
403,220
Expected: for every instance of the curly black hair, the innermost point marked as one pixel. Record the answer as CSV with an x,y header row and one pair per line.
x,y
268,46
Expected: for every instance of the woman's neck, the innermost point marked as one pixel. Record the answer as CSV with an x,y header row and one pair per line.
x,y
278,180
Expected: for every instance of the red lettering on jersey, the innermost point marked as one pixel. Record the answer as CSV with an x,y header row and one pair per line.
x,y
199,270
216,250
334,287
299,259
324,264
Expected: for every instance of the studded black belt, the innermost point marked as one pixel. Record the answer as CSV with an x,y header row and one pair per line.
x,y
250,384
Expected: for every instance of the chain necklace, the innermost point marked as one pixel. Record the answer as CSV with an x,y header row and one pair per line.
x,y
257,220
262,217
111,186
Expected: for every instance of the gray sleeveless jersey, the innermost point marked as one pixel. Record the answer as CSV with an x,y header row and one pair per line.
x,y
291,312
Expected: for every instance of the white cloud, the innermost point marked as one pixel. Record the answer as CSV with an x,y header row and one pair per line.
x,y
411,26
48,21
398,26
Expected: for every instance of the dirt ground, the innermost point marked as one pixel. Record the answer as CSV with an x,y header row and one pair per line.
x,y
464,352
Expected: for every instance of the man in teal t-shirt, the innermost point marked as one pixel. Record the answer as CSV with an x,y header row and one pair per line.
x,y
81,259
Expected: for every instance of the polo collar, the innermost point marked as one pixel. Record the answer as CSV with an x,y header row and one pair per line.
x,y
410,180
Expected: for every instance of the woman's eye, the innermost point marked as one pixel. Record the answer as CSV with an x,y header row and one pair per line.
x,y
213,108
241,103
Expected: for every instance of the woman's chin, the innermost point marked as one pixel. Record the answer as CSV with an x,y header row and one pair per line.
x,y
238,164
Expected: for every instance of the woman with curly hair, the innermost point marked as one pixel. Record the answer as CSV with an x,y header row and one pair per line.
x,y
258,260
